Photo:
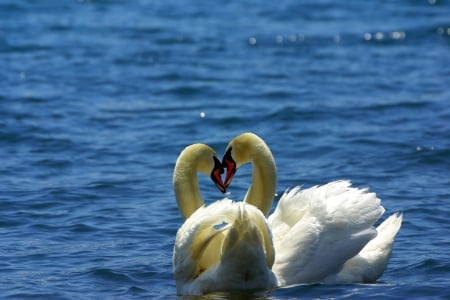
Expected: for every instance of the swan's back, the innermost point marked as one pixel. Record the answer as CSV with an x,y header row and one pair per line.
x,y
224,246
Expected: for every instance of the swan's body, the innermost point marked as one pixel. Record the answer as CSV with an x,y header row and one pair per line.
x,y
321,234
224,246
221,247
326,234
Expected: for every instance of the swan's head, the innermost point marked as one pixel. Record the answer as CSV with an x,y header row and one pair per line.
x,y
196,158
207,162
242,149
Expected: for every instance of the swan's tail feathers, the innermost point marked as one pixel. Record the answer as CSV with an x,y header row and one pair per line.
x,y
381,246
238,229
371,262
250,229
247,251
225,246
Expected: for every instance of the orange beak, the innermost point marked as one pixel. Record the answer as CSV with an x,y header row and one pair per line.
x,y
216,175
229,163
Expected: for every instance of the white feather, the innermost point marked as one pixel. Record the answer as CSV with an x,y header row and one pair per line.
x,y
224,246
317,230
372,260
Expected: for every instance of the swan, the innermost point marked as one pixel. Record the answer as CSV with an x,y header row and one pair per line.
x,y
224,246
322,234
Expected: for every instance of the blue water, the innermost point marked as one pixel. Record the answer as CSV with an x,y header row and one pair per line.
x,y
97,99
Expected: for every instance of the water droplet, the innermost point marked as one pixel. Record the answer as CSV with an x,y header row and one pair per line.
x,y
398,35
279,39
379,36
367,36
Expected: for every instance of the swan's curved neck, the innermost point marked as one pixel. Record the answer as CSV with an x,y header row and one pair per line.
x,y
185,185
262,191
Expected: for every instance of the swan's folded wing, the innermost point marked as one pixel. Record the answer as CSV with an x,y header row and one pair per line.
x,y
294,247
201,230
334,222
372,260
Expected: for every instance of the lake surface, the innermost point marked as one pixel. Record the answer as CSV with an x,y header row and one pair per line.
x,y
98,98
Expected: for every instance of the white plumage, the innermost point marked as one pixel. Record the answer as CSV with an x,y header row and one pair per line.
x,y
317,231
321,234
221,247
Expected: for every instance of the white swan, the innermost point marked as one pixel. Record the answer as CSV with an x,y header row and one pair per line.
x,y
321,234
221,247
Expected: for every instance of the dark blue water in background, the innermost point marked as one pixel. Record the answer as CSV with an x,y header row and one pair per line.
x,y
97,99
